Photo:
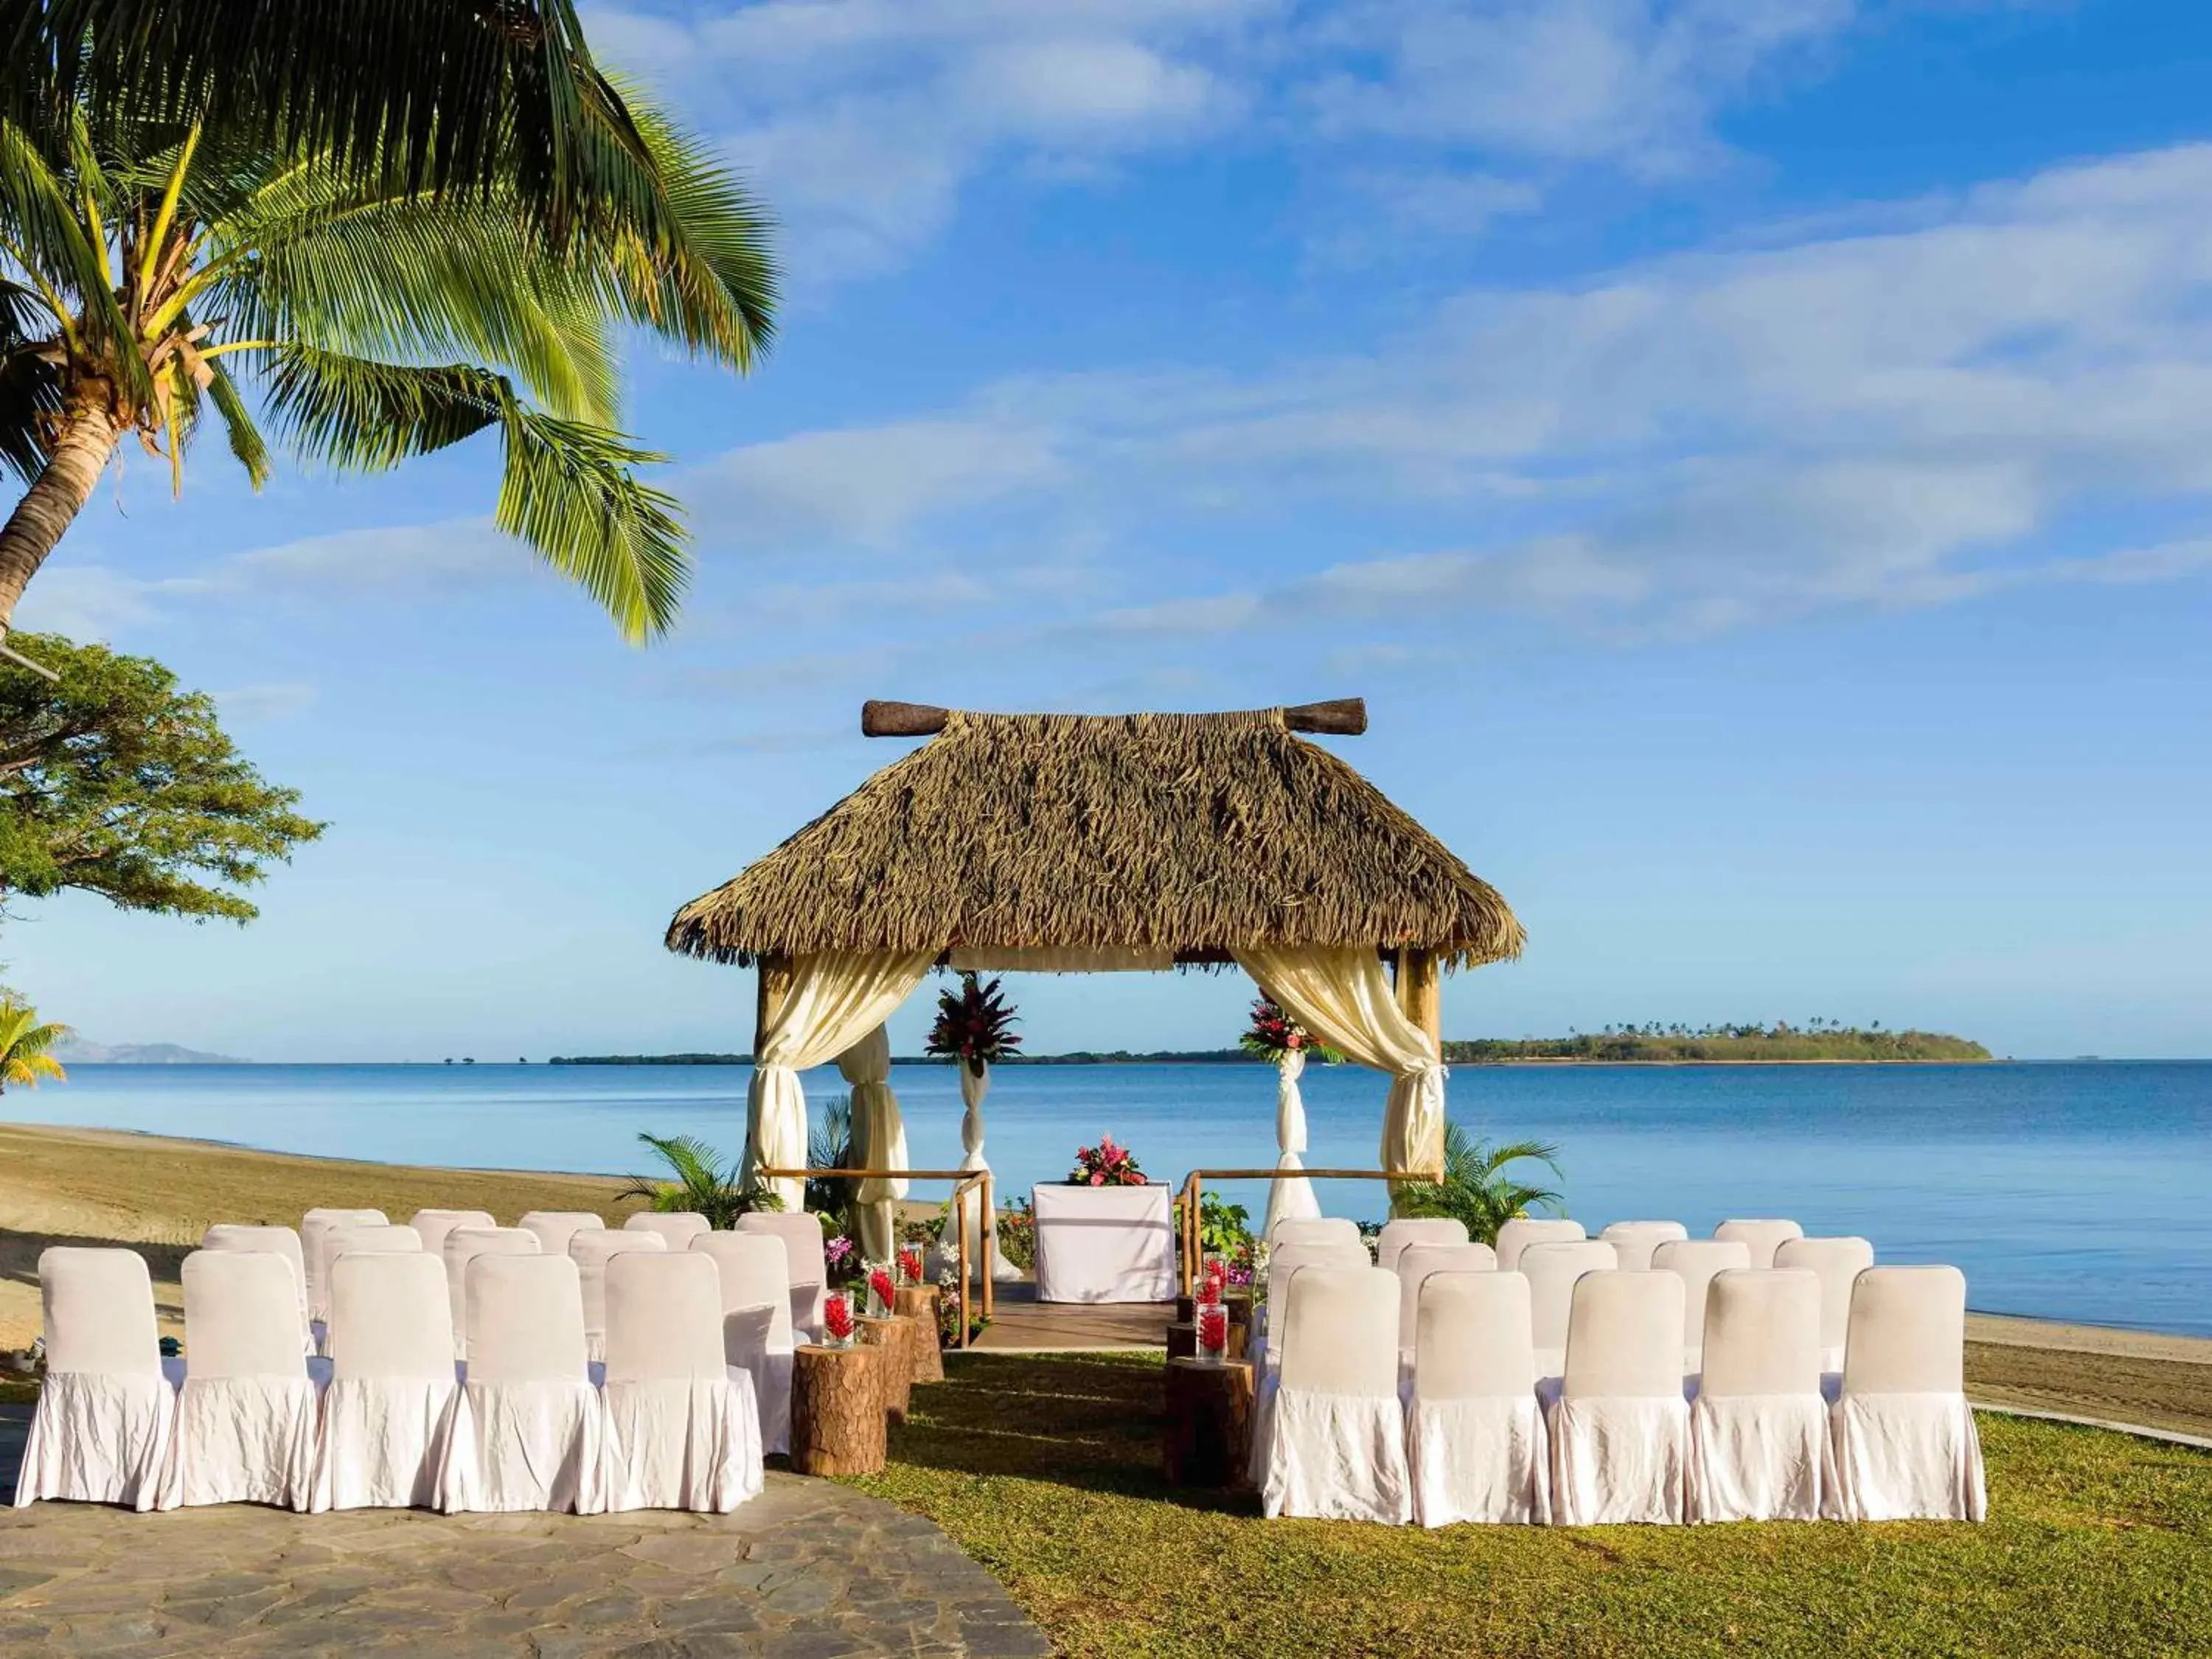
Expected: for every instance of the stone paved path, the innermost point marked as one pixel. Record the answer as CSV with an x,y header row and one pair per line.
x,y
808,1571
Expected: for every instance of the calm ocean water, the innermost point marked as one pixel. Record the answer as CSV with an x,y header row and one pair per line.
x,y
2071,1191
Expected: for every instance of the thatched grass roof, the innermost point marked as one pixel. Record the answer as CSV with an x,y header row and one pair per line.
x,y
1186,836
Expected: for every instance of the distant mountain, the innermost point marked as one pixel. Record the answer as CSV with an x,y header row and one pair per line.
x,y
79,1051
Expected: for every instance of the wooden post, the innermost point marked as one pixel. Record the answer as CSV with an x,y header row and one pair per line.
x,y
894,1335
919,1303
1207,1440
837,1410
990,1220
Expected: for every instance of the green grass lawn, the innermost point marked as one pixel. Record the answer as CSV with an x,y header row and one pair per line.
x,y
1046,1470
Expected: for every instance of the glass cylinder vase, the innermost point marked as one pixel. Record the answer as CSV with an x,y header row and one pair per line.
x,y
841,1327
1213,1333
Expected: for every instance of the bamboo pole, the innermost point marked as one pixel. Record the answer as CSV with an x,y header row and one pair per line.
x,y
1193,1188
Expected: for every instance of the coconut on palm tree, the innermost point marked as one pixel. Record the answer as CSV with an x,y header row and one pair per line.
x,y
158,275
1477,1188
26,1046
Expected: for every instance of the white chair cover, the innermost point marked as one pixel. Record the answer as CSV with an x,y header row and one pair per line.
x,y
1314,1229
369,1238
676,1228
1759,1427
314,1227
1474,1434
388,1413
591,1252
276,1241
464,1245
1761,1238
431,1226
1620,1427
247,1415
1906,1447
755,1274
1694,1261
531,1433
1552,1267
682,1432
1837,1262
102,1430
1633,1242
555,1227
808,1259
1329,1439
1283,1265
1417,1230
1415,1263
1518,1234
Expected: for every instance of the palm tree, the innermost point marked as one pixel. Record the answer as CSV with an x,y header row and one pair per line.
x,y
24,1046
154,274
700,1185
830,1147
1476,1189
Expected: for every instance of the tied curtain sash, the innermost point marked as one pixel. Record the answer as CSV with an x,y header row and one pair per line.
x,y
1341,994
836,998
973,1085
1293,1200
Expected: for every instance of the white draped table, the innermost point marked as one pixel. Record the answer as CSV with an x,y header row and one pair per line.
x,y
1103,1244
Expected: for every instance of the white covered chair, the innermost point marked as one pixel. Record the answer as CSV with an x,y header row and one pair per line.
x,y
1314,1229
676,1228
314,1227
431,1226
1552,1267
463,1246
273,1241
1906,1448
1474,1432
247,1415
1396,1236
1695,1262
755,1274
531,1433
1329,1440
1619,1426
366,1239
555,1227
1518,1234
1759,1426
106,1415
388,1413
808,1256
1415,1263
1284,1265
591,1252
1837,1262
1761,1238
1633,1242
683,1431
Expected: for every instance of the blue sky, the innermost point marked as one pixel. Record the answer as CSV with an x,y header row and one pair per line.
x,y
1753,456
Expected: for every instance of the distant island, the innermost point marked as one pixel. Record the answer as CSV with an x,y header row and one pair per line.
x,y
76,1051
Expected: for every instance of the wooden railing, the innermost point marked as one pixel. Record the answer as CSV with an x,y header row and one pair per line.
x,y
1194,1185
963,1181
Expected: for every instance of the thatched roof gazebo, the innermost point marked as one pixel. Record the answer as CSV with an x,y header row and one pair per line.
x,y
1073,842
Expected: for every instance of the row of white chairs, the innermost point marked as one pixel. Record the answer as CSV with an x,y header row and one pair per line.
x,y
1479,1431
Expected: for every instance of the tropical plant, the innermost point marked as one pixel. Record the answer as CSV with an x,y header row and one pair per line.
x,y
115,782
830,1147
1477,1190
1222,1228
701,1182
25,1046
161,269
974,1025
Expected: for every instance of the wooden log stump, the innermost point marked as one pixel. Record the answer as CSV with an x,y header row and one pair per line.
x,y
894,1334
1239,1303
836,1410
919,1303
1207,1438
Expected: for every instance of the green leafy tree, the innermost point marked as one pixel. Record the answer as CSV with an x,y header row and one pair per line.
x,y
25,1047
701,1183
116,782
1478,1190
167,270
830,1147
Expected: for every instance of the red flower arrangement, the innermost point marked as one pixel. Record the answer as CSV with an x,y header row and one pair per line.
x,y
881,1287
837,1316
1105,1165
909,1266
1273,1034
975,1025
1213,1329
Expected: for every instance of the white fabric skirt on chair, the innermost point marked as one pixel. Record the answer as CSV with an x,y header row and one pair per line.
x,y
1761,1457
99,1438
767,1374
385,1439
1332,1457
683,1444
1479,1459
243,1440
531,1445
1618,1460
1908,1457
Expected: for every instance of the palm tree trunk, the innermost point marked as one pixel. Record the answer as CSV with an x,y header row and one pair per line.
x,y
88,436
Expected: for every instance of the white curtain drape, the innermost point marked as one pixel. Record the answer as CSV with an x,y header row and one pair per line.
x,y
878,1140
1341,994
1290,1199
973,1085
836,998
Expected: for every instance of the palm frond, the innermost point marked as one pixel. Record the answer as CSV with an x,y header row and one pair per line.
x,y
247,442
38,222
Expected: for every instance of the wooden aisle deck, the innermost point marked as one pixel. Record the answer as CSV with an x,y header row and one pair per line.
x,y
1022,1324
